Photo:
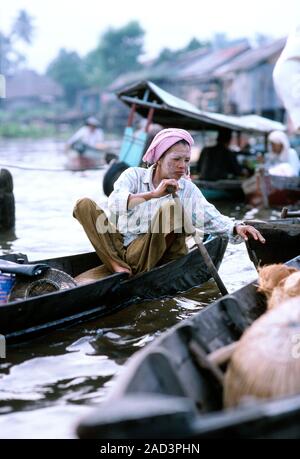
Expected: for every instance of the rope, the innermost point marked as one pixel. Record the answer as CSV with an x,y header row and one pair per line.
x,y
44,169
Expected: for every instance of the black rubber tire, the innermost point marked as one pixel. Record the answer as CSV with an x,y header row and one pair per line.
x,y
7,211
110,156
111,175
6,181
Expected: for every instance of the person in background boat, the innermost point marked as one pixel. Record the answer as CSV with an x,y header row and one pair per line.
x,y
219,161
247,155
146,226
89,135
282,159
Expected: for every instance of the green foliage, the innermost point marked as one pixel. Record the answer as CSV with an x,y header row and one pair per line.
x,y
30,122
25,114
23,27
94,68
32,131
118,52
68,70
21,31
196,44
6,57
167,55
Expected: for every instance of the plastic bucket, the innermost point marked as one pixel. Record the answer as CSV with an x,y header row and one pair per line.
x,y
6,284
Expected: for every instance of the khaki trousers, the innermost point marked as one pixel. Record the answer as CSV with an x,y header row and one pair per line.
x,y
146,251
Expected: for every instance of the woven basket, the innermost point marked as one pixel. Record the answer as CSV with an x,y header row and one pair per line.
x,y
50,281
266,362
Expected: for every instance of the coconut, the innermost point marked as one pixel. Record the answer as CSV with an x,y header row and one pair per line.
x,y
266,361
286,289
271,275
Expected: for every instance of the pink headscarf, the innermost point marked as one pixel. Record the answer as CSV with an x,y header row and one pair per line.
x,y
164,140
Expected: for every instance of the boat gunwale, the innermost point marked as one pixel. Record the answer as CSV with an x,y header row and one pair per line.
x,y
121,296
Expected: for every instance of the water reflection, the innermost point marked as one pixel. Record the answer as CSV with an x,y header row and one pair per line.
x,y
46,384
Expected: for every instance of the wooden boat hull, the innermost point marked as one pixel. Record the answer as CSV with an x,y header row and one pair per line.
x,y
164,393
221,190
272,190
89,160
282,241
81,164
92,158
23,319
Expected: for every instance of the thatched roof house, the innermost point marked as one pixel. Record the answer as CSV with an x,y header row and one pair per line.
x,y
27,88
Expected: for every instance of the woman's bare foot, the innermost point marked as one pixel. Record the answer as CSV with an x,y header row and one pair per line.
x,y
119,269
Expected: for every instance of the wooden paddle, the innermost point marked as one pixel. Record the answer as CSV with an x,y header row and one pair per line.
x,y
202,249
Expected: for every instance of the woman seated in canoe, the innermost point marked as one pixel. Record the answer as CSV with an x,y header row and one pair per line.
x,y
147,226
282,159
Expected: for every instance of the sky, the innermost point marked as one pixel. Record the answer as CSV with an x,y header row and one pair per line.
x,y
168,23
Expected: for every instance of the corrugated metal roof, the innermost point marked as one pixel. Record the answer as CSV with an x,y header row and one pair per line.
x,y
252,58
160,71
205,65
171,111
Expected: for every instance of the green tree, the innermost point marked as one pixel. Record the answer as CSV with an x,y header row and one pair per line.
x,y
23,27
21,31
68,70
167,55
6,58
196,44
118,52
94,68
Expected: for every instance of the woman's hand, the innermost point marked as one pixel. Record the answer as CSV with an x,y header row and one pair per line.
x,y
246,231
161,190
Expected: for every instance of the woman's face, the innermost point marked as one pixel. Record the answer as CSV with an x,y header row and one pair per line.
x,y
174,163
276,147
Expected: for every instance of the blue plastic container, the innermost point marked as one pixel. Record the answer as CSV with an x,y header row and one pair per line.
x,y
6,284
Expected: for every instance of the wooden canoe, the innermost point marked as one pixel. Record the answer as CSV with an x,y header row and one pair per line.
x,y
164,391
220,190
20,320
271,190
282,241
91,159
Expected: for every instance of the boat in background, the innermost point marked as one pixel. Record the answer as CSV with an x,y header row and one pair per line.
x,y
158,106
90,158
267,190
220,190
